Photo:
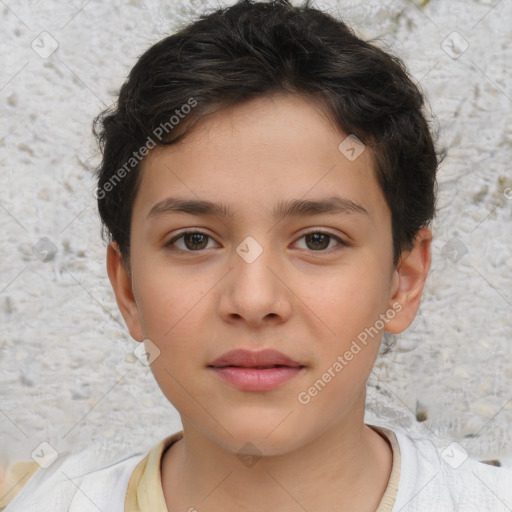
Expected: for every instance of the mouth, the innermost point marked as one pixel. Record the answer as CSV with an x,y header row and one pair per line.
x,y
247,370
257,378
262,359
257,367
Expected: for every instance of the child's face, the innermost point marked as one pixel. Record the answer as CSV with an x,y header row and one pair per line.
x,y
307,297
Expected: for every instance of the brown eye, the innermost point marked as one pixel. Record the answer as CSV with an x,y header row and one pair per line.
x,y
320,241
189,241
195,241
317,241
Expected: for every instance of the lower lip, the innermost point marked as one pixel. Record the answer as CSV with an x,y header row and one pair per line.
x,y
253,379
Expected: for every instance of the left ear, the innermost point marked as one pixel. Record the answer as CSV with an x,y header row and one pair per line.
x,y
409,280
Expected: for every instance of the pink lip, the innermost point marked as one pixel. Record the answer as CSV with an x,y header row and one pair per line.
x,y
250,359
239,368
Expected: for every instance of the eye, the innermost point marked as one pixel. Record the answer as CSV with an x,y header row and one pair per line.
x,y
320,240
192,241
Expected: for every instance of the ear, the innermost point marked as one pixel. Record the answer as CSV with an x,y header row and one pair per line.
x,y
408,281
120,280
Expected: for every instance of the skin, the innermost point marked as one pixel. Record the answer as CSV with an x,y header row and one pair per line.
x,y
309,299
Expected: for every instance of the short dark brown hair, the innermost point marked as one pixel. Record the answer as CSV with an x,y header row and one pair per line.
x,y
255,49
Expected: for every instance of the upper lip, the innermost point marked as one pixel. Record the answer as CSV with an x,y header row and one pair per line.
x,y
249,358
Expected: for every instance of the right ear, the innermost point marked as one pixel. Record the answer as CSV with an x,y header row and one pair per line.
x,y
121,282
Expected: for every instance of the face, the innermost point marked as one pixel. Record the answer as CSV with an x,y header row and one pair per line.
x,y
306,282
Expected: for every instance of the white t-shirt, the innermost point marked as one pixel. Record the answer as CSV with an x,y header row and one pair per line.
x,y
444,480
424,478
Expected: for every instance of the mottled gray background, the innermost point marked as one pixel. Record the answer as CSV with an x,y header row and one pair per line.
x,y
68,374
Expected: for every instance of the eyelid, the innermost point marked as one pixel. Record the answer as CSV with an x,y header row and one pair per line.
x,y
186,231
341,241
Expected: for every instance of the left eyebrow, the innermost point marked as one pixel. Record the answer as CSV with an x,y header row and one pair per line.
x,y
331,205
295,207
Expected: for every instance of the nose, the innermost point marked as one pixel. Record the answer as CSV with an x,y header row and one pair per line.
x,y
254,291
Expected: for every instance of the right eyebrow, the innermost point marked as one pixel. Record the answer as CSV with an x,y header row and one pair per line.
x,y
191,206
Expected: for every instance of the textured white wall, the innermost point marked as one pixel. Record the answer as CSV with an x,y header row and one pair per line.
x,y
68,375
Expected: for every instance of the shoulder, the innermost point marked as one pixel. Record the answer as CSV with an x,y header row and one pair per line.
x,y
441,476
83,481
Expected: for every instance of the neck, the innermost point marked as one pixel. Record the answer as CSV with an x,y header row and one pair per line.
x,y
347,467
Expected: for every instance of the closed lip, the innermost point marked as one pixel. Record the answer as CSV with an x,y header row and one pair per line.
x,y
251,359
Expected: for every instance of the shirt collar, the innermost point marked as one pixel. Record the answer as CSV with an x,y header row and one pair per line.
x,y
145,493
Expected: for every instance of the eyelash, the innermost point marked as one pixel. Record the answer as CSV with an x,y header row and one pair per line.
x,y
169,245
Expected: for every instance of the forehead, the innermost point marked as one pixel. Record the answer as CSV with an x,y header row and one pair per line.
x,y
258,153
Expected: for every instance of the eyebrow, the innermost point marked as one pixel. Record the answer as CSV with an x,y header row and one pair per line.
x,y
291,208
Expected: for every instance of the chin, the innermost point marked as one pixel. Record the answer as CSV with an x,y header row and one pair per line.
x,y
259,438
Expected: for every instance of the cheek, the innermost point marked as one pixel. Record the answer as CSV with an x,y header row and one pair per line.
x,y
167,301
351,308
351,298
